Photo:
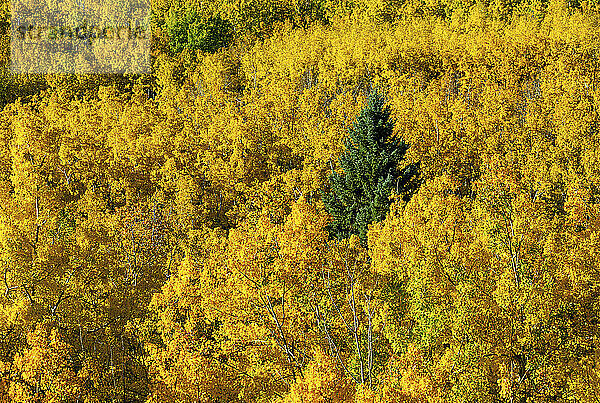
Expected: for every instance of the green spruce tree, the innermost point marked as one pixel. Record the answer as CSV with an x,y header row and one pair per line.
x,y
360,194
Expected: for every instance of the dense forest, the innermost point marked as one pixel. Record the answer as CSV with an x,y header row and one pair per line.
x,y
310,201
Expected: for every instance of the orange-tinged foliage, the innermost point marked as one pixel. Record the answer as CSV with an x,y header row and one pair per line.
x,y
173,246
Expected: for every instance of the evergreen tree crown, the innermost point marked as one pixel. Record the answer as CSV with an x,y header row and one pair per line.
x,y
359,195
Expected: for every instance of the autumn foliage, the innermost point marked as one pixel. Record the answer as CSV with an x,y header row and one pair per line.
x,y
168,237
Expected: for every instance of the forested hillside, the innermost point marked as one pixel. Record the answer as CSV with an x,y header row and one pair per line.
x,y
310,201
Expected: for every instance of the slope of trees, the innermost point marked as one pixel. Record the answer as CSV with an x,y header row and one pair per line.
x,y
166,238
